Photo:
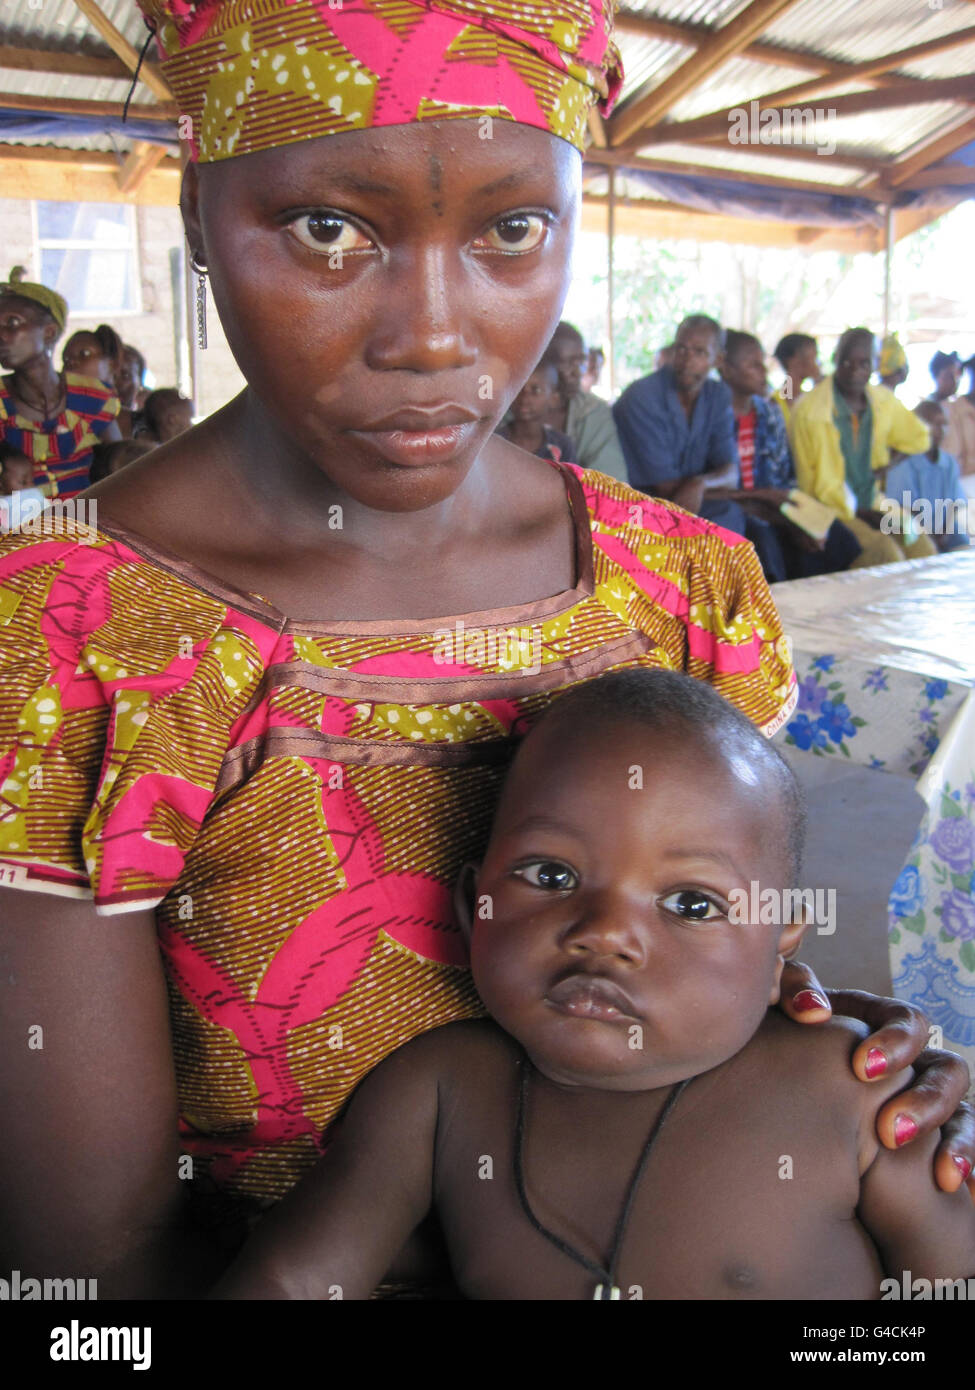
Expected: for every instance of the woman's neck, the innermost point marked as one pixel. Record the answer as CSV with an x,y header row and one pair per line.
x,y
37,385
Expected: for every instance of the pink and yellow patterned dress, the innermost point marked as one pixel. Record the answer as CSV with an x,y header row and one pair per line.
x,y
295,799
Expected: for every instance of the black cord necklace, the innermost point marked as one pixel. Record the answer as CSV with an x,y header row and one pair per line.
x,y
607,1288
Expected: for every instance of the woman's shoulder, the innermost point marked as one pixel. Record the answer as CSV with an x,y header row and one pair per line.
x,y
72,579
696,590
635,517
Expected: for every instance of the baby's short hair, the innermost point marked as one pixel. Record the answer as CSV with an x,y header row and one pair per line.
x,y
670,699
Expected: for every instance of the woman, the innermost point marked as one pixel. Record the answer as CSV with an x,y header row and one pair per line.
x,y
130,379
270,753
55,419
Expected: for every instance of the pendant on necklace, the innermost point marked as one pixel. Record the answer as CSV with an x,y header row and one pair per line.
x,y
605,1292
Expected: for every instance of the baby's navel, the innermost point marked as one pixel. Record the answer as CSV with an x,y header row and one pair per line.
x,y
740,1278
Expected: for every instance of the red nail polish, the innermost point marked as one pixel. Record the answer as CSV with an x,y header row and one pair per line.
x,y
904,1130
876,1063
808,999
963,1166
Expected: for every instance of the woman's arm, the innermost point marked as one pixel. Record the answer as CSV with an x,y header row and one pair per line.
x,y
898,1039
89,1166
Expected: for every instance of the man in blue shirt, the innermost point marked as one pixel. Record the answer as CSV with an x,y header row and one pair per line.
x,y
677,428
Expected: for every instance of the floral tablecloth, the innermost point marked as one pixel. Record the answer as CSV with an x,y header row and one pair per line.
x,y
886,665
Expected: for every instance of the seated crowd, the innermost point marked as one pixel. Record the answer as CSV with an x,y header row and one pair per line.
x,y
62,431
840,475
819,480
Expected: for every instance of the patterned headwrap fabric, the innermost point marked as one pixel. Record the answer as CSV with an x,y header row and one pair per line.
x,y
892,355
55,304
255,74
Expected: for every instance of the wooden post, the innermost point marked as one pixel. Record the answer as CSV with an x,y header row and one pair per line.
x,y
610,281
888,254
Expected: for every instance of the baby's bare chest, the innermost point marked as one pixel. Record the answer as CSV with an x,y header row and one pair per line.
x,y
738,1199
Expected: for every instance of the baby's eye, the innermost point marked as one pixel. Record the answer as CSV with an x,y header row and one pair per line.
x,y
327,231
550,875
519,231
692,904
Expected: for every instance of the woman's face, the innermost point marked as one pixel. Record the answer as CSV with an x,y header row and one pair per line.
x,y
128,379
26,331
387,292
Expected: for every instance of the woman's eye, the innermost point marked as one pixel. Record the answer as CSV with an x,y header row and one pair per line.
x,y
692,905
550,875
522,231
327,232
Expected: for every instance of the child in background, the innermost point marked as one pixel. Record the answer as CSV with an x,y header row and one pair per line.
x,y
526,426
112,458
932,478
166,414
611,941
17,477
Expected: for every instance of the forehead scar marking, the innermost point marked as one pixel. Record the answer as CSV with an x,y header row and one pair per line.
x,y
436,183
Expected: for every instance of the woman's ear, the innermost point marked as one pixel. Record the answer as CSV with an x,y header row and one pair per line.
x,y
789,942
189,206
464,893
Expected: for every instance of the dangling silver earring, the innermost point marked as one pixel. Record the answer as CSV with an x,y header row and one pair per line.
x,y
201,301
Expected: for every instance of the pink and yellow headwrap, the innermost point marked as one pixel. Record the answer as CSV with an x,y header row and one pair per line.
x,y
255,74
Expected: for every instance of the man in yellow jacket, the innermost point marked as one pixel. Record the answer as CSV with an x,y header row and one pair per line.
x,y
842,433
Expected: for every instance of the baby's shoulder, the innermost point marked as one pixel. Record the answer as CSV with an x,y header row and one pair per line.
x,y
817,1058
458,1053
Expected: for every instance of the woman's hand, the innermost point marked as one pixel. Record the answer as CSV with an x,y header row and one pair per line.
x,y
899,1039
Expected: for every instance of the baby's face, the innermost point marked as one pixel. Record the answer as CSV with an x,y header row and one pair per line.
x,y
608,952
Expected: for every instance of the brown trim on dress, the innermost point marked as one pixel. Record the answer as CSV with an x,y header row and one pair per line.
x,y
251,605
488,685
264,611
241,763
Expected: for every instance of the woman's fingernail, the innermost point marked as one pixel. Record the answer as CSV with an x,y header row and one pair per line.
x,y
876,1063
904,1130
808,999
963,1166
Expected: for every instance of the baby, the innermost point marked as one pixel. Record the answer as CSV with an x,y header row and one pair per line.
x,y
636,1122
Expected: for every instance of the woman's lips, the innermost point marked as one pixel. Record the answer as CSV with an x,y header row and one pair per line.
x,y
591,996
415,447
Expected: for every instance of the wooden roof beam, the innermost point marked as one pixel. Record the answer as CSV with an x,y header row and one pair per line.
x,y
730,39
138,165
805,153
82,176
938,147
69,106
617,159
120,46
692,35
946,176
714,128
716,122
62,64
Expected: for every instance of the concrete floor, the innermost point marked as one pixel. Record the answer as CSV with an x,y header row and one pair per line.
x,y
862,824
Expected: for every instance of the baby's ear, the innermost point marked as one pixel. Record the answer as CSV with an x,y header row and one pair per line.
x,y
789,942
464,892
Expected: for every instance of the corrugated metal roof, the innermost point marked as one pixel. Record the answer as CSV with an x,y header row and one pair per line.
x,y
55,21
848,30
845,30
867,28
738,160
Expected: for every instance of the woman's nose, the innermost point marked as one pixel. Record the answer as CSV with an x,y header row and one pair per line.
x,y
423,325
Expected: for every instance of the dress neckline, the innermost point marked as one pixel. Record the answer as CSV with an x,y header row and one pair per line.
x,y
256,606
